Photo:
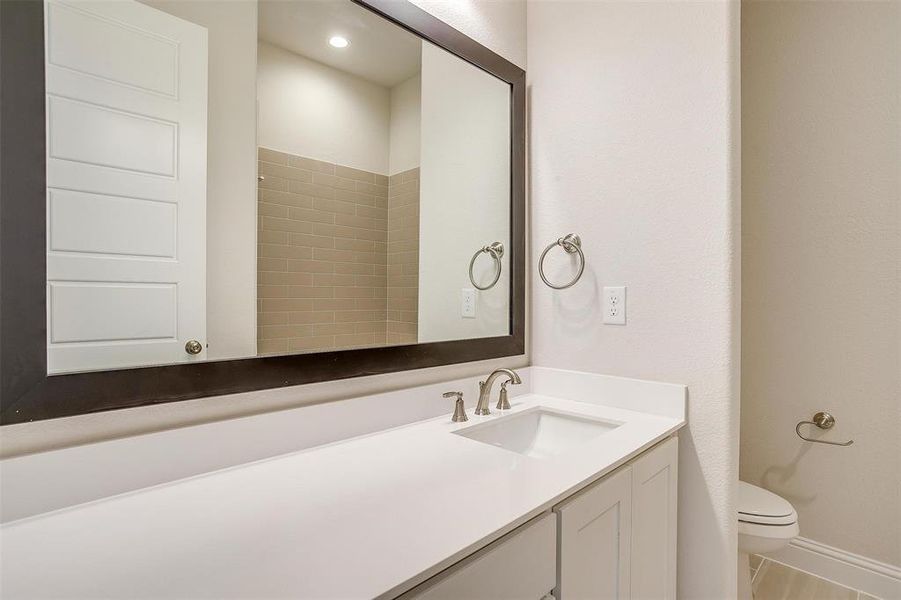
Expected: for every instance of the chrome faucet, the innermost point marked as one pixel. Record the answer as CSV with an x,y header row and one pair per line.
x,y
485,388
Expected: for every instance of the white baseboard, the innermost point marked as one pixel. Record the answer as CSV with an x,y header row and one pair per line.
x,y
844,568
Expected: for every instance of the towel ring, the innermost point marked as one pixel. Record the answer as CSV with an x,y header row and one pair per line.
x,y
823,420
495,250
571,244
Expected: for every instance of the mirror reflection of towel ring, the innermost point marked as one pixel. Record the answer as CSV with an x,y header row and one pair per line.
x,y
495,250
572,245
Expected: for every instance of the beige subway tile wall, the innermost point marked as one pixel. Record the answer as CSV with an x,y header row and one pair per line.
x,y
403,257
322,255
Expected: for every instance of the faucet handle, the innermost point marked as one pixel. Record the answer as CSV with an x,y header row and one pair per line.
x,y
503,403
459,409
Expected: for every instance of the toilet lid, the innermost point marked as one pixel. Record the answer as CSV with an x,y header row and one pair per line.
x,y
757,505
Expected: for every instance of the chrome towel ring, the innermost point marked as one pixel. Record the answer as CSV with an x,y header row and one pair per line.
x,y
495,250
572,245
823,420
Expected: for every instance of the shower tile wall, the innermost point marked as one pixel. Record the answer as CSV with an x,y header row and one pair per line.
x,y
403,257
322,255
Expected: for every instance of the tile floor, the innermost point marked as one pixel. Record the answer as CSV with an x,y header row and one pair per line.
x,y
774,581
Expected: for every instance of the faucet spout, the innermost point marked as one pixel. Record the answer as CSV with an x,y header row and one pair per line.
x,y
485,388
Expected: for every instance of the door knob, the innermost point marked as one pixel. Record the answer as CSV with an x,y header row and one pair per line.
x,y
193,347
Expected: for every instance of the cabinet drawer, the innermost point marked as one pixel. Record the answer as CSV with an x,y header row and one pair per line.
x,y
520,565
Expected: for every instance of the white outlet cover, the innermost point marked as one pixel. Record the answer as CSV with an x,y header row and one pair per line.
x,y
615,305
468,303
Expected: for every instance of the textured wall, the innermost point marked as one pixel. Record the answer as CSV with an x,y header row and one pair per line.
x,y
821,251
634,132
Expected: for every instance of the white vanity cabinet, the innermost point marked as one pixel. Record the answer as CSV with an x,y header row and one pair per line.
x,y
614,539
555,496
618,536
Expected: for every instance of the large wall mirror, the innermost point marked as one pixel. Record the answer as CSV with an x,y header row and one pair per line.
x,y
240,194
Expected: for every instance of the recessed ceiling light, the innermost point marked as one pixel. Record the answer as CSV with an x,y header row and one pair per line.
x,y
337,41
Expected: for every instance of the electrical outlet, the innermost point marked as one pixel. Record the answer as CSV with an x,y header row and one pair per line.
x,y
615,305
468,303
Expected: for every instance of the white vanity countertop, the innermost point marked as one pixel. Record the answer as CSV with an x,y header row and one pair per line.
x,y
367,517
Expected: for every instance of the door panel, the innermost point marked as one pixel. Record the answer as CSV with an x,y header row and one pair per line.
x,y
98,135
126,177
89,312
82,40
102,224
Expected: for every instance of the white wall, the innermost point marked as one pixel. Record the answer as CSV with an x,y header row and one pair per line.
x,y
464,196
634,144
231,170
821,251
483,20
404,130
309,109
505,33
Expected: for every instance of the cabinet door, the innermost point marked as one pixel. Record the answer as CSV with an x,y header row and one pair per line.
x,y
519,566
595,539
654,492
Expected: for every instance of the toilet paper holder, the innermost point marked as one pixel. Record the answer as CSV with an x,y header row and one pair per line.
x,y
823,420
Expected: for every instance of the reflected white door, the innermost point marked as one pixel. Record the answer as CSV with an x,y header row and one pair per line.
x,y
126,185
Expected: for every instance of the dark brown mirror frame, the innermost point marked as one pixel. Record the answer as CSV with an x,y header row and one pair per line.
x,y
28,394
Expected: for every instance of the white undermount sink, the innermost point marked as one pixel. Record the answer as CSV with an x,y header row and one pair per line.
x,y
538,432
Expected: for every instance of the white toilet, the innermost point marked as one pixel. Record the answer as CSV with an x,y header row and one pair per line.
x,y
766,522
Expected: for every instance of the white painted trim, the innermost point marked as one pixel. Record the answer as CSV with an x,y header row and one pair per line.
x,y
844,568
